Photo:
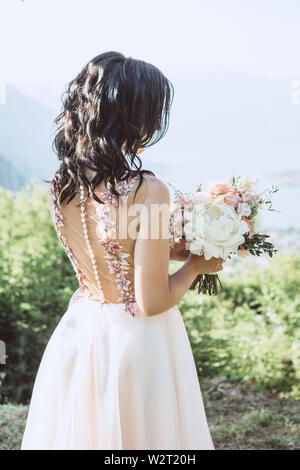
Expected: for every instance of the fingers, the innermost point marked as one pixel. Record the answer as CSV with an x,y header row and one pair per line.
x,y
219,264
213,265
217,269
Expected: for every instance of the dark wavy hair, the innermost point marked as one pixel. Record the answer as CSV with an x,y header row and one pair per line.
x,y
114,106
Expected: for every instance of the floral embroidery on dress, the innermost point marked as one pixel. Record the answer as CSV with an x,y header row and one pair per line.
x,y
109,198
116,259
107,224
58,224
122,187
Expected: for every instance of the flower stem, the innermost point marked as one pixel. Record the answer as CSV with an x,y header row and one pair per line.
x,y
207,284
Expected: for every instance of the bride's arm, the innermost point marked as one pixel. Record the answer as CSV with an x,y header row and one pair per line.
x,y
156,290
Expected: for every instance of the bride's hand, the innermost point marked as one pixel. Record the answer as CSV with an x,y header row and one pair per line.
x,y
203,266
179,252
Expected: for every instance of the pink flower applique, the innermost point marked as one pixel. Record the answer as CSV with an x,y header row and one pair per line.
x,y
110,246
123,187
123,283
132,308
109,198
118,268
107,223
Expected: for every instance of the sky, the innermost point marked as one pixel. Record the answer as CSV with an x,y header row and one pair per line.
x,y
218,51
44,43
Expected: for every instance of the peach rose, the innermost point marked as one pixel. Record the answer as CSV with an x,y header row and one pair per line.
x,y
218,188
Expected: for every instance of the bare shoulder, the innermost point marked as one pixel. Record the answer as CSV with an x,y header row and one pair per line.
x,y
156,190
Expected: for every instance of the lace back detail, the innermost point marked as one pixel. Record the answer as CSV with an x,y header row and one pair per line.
x,y
114,254
116,258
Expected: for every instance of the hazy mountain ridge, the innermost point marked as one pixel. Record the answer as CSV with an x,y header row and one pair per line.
x,y
25,135
221,122
10,178
289,178
285,238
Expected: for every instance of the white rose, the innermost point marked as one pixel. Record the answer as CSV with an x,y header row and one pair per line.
x,y
215,231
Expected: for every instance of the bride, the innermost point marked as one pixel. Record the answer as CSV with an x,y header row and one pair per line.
x,y
118,371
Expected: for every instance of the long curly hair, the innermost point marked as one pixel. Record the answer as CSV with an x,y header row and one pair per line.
x,y
114,106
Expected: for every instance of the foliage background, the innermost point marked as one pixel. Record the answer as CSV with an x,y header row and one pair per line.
x,y
36,283
250,333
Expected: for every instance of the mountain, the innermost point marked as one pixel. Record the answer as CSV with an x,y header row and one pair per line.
x,y
10,178
289,179
221,122
25,135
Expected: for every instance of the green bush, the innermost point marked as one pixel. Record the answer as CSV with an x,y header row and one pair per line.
x,y
36,282
250,332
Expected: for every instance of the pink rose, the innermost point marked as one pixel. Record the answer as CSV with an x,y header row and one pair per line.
x,y
176,224
250,197
219,188
246,198
232,199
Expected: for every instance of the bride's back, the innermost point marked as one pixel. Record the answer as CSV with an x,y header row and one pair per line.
x,y
100,240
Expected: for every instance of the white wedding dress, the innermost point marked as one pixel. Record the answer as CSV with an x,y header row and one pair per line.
x,y
112,378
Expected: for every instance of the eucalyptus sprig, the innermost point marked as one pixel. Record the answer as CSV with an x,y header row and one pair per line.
x,y
264,201
257,245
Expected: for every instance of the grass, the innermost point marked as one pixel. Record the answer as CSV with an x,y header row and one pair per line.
x,y
12,422
240,418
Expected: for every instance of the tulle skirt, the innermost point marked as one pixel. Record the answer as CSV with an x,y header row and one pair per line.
x,y
111,381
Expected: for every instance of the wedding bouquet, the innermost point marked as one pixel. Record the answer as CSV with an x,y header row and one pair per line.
x,y
224,220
